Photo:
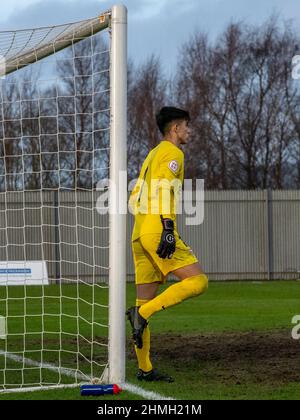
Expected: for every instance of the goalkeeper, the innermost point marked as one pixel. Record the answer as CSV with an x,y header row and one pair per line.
x,y
157,248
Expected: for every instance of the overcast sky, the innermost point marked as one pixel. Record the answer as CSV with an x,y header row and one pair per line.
x,y
155,26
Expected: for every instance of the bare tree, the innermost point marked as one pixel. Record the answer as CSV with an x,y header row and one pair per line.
x,y
239,91
147,92
236,90
19,146
84,113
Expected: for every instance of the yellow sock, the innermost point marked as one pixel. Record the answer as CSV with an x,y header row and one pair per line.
x,y
187,288
143,354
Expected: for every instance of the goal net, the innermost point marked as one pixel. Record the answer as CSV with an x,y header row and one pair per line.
x,y
62,254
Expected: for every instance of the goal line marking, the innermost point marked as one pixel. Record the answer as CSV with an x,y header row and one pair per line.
x,y
134,389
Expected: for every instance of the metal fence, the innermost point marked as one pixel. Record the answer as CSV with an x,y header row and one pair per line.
x,y
245,234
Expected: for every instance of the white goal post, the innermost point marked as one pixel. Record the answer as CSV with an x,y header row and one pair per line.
x,y
117,250
63,128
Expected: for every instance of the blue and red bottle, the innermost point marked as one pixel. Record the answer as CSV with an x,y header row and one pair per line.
x,y
98,389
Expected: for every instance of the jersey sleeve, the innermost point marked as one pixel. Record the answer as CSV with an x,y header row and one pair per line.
x,y
170,166
170,177
136,193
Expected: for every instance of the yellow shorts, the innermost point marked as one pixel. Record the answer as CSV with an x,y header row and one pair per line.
x,y
149,267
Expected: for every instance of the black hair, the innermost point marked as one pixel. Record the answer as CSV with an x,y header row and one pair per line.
x,y
168,114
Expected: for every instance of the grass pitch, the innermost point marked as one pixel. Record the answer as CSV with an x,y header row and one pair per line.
x,y
234,342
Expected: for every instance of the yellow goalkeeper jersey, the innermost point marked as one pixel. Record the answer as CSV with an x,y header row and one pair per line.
x,y
158,189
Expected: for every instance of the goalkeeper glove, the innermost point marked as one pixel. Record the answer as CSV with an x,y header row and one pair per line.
x,y
166,247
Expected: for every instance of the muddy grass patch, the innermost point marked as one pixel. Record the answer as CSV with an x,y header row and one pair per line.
x,y
267,357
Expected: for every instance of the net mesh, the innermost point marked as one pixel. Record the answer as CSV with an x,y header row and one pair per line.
x,y
54,148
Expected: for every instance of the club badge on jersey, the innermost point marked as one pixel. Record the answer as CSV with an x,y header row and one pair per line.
x,y
173,165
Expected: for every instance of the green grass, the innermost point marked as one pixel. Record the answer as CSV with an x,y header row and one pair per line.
x,y
234,306
229,307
